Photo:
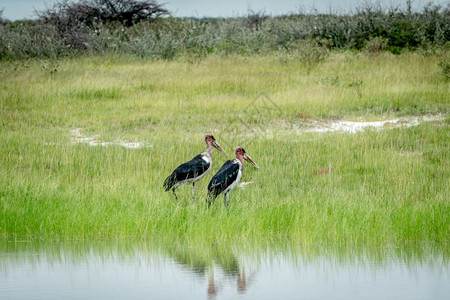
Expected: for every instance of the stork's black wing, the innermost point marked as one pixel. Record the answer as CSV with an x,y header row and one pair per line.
x,y
226,175
191,169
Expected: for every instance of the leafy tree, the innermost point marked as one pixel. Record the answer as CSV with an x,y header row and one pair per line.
x,y
75,20
88,12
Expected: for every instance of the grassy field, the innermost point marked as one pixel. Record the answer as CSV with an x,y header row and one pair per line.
x,y
385,186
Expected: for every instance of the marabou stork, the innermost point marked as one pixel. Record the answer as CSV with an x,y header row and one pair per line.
x,y
228,176
193,170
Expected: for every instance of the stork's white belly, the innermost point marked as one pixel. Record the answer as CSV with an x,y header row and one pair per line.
x,y
235,183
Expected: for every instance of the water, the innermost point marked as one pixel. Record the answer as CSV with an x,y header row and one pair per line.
x,y
124,270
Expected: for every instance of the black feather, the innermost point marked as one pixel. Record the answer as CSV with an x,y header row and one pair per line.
x,y
191,169
170,181
226,175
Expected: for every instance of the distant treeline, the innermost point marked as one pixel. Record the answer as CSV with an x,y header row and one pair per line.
x,y
71,28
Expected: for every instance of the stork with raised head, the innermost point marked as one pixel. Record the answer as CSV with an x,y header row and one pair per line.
x,y
228,176
193,170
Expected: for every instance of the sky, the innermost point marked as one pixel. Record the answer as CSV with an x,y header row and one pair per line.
x,y
23,9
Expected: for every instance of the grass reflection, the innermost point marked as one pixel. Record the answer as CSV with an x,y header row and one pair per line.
x,y
200,257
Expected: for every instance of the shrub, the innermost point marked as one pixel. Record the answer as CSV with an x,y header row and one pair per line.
x,y
376,45
308,53
25,39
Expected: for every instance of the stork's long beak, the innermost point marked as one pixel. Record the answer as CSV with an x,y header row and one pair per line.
x,y
250,160
217,146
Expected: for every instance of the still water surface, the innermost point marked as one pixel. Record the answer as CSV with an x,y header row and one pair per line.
x,y
146,270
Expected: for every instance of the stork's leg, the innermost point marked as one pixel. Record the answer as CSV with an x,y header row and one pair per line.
x,y
193,192
173,191
226,200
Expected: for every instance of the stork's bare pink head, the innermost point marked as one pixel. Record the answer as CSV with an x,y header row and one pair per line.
x,y
210,140
241,154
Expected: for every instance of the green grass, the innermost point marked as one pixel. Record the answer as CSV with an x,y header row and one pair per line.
x,y
387,186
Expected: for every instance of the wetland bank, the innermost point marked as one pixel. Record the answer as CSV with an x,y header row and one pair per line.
x,y
387,185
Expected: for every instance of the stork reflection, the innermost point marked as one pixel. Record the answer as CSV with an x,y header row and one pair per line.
x,y
215,263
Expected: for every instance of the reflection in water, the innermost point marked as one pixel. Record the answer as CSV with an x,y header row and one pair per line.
x,y
206,261
216,271
212,291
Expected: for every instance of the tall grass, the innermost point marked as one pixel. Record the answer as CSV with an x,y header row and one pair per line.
x,y
388,186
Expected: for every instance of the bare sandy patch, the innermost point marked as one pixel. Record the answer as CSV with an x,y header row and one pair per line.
x,y
77,137
358,126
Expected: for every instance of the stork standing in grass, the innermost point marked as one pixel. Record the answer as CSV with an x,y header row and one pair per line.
x,y
193,170
228,176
